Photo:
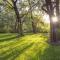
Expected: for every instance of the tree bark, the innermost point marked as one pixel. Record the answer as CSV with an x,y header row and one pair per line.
x,y
33,23
18,19
58,17
57,8
50,10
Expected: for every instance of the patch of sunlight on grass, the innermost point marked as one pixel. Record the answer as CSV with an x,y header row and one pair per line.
x,y
35,38
32,52
16,51
13,49
13,45
28,47
7,37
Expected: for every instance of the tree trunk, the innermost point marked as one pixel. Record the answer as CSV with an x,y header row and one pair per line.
x,y
52,31
34,27
50,11
18,19
57,8
58,17
33,23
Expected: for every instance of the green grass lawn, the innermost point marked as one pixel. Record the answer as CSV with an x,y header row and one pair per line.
x,y
28,47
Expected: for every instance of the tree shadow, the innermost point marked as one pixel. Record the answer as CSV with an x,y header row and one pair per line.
x,y
8,39
16,52
7,45
2,36
51,53
37,55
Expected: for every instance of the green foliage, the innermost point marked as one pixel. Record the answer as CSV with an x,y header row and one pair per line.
x,y
8,17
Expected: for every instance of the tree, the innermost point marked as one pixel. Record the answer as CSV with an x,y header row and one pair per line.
x,y
17,17
33,25
50,11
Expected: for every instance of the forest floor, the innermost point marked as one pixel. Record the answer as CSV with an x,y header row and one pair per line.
x,y
28,47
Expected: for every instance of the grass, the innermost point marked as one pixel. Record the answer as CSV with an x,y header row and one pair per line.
x,y
28,47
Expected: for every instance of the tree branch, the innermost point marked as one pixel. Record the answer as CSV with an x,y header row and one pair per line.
x,y
44,9
9,3
15,1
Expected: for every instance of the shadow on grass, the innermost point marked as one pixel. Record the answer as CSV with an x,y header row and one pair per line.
x,y
51,53
8,39
12,43
15,52
4,35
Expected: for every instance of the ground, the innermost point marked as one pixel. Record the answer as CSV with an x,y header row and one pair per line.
x,y
28,47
